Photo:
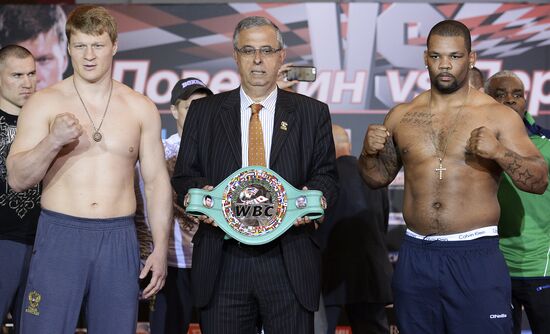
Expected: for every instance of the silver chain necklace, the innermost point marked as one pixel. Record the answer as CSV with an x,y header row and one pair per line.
x,y
97,136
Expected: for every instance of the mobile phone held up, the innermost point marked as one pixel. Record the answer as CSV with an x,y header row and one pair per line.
x,y
301,73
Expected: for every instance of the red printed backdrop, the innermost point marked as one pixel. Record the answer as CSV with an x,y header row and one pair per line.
x,y
368,55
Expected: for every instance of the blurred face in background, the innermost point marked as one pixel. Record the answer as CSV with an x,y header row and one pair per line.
x,y
51,58
179,111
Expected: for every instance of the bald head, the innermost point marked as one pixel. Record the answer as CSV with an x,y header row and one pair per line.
x,y
475,78
507,88
342,142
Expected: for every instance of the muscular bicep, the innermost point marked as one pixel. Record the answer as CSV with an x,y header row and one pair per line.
x,y
391,119
513,135
521,160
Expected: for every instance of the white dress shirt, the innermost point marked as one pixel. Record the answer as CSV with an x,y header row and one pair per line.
x,y
267,118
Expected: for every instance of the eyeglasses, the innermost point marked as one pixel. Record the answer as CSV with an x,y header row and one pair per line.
x,y
265,51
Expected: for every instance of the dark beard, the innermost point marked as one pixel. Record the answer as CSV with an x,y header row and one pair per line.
x,y
453,87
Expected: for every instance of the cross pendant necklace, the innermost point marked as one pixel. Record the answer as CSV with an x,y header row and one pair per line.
x,y
442,169
97,136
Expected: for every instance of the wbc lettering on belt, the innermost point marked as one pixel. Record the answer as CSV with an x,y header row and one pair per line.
x,y
254,202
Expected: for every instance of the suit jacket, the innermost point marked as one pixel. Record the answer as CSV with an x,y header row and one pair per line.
x,y
303,154
355,264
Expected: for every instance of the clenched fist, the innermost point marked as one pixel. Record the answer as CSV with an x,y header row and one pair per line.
x,y
375,139
483,143
65,128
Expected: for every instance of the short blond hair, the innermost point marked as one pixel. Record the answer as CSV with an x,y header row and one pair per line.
x,y
91,20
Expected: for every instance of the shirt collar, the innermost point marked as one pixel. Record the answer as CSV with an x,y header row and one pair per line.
x,y
270,100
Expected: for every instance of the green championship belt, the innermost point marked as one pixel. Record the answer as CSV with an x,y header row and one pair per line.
x,y
254,205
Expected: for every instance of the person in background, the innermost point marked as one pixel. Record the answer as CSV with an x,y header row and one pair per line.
x,y
172,307
19,211
475,79
41,30
356,271
524,226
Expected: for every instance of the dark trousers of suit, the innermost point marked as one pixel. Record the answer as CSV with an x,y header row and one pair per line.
x,y
364,318
253,284
173,305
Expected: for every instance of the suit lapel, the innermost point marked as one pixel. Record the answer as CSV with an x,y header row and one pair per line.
x,y
231,119
282,125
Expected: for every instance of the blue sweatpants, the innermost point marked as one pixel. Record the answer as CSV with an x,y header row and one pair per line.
x,y
452,287
80,260
14,261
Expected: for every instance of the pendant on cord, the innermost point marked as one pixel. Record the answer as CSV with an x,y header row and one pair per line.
x,y
97,136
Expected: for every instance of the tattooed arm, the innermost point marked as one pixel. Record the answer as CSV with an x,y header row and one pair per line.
x,y
528,173
512,149
379,161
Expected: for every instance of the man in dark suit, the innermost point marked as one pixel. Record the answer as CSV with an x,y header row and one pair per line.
x,y
278,282
355,265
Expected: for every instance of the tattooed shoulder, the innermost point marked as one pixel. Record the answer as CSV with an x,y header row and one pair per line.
x,y
393,117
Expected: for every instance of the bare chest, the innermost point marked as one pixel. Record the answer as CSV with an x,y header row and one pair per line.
x,y
115,133
422,136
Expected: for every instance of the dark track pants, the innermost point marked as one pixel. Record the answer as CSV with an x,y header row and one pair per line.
x,y
453,287
78,260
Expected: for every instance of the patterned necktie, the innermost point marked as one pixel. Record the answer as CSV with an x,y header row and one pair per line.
x,y
256,151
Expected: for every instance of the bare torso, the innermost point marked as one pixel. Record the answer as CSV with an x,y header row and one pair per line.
x,y
465,197
88,178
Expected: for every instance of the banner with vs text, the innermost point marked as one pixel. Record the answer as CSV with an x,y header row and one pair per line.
x,y
369,56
